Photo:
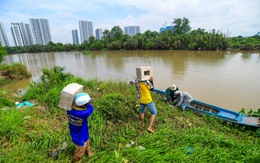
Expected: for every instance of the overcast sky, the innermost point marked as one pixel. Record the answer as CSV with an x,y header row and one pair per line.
x,y
232,17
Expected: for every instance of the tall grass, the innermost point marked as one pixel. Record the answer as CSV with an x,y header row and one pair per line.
x,y
114,124
10,122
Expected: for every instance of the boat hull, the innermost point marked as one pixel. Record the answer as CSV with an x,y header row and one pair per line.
x,y
219,112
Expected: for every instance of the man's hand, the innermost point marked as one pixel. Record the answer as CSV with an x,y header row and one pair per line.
x,y
132,82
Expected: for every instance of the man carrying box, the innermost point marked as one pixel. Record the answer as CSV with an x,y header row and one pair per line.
x,y
78,125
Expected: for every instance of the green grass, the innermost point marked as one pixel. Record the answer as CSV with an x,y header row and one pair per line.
x,y
114,124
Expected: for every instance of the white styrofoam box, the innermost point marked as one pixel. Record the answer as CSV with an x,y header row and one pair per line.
x,y
144,73
68,94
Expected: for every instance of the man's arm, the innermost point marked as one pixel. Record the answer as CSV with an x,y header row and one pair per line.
x,y
151,83
86,113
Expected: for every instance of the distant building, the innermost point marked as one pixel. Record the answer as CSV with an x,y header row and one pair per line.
x,y
132,30
75,36
166,28
41,31
21,33
17,35
98,33
3,37
29,34
85,29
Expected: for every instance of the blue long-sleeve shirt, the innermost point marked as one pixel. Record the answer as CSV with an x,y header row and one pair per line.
x,y
78,124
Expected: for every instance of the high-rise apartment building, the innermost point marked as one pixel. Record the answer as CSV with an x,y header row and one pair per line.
x,y
75,36
28,35
85,29
132,30
3,37
41,31
98,33
17,36
21,34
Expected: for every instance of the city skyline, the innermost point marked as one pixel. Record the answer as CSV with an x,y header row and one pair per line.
x,y
232,17
22,32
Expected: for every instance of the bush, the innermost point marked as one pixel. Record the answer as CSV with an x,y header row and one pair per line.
x,y
116,107
16,71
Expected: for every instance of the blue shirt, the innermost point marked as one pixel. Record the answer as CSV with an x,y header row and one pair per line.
x,y
78,124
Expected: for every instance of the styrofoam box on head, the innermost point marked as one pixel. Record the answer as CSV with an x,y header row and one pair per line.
x,y
68,94
144,73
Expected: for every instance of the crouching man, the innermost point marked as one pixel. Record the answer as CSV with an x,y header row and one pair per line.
x,y
184,99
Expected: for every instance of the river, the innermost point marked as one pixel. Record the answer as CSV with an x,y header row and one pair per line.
x,y
230,79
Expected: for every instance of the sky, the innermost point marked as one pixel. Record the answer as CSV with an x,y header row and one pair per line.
x,y
232,17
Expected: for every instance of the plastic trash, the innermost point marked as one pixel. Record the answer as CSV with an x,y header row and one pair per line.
x,y
54,153
25,103
141,147
63,146
5,108
190,150
130,144
27,117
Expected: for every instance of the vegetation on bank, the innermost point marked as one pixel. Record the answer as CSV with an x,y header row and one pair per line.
x,y
3,52
13,72
29,134
182,37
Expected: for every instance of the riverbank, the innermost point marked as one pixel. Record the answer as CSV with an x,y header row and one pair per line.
x,y
30,133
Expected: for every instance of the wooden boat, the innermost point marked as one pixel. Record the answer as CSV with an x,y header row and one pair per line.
x,y
219,112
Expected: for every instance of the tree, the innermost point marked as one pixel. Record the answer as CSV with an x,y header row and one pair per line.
x,y
97,45
91,39
130,44
116,33
181,26
106,33
2,53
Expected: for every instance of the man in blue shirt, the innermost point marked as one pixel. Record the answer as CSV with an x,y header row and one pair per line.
x,y
78,125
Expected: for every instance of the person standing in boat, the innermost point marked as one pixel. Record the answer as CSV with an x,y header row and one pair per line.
x,y
184,99
143,92
170,97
